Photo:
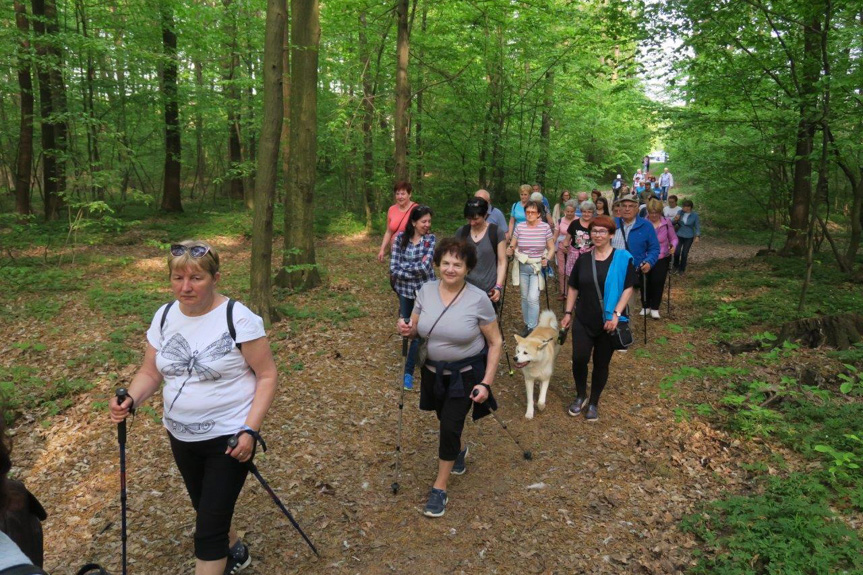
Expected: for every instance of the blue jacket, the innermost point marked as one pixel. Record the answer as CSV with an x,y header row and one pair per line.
x,y
692,227
641,242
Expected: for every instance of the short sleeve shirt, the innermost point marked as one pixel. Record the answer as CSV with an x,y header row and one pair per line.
x,y
484,274
532,239
209,386
587,308
397,219
457,335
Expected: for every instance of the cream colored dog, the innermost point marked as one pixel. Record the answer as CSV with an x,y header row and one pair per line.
x,y
535,355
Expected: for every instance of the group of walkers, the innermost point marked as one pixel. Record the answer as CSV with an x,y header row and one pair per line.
x,y
219,376
626,253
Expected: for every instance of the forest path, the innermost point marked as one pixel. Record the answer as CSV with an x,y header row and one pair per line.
x,y
603,497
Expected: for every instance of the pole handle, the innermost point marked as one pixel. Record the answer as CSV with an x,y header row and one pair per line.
x,y
407,321
122,395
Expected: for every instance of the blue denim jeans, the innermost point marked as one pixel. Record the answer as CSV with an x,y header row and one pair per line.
x,y
529,284
406,307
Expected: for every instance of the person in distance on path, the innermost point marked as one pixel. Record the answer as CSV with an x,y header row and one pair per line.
x,y
220,379
666,182
689,232
397,215
464,344
592,324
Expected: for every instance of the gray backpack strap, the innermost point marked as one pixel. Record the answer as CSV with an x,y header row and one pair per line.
x,y
23,570
231,329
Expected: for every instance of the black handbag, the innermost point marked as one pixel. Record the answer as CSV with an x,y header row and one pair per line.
x,y
621,337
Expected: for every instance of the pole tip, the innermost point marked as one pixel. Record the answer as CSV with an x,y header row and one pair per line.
x,y
395,487
528,455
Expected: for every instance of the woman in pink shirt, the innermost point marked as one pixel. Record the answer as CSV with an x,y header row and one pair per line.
x,y
658,273
397,216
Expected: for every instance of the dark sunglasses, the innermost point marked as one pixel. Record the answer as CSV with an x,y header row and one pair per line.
x,y
196,252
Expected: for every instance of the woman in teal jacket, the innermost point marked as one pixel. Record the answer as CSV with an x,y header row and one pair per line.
x,y
688,233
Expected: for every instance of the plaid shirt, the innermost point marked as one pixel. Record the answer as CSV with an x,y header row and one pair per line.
x,y
413,266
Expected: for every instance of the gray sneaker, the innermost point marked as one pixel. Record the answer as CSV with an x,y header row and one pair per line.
x,y
576,406
459,468
436,505
238,558
592,413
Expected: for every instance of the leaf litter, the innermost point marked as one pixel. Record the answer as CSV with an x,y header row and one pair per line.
x,y
600,498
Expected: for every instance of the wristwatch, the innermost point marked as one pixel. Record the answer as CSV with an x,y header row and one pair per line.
x,y
617,313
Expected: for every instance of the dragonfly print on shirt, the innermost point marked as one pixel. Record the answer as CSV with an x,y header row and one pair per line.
x,y
185,361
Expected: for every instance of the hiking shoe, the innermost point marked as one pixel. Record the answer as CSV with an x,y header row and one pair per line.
x,y
525,331
409,382
238,558
592,414
459,468
644,311
576,406
436,505
654,313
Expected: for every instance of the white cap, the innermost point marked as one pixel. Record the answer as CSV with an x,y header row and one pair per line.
x,y
619,176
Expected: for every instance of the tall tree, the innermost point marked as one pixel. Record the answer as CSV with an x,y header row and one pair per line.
x,y
545,128
365,55
52,104
300,269
171,200
403,93
230,66
24,161
268,163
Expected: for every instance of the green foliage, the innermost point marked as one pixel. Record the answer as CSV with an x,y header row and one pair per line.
x,y
852,382
786,528
122,299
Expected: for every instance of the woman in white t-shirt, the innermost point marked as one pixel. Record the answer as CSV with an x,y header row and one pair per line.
x,y
220,379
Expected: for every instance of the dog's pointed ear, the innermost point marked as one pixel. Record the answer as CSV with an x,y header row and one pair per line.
x,y
541,346
518,338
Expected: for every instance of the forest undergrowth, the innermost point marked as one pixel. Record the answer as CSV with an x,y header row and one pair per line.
x,y
702,462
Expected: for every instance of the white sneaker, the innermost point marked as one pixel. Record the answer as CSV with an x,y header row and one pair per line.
x,y
654,313
644,311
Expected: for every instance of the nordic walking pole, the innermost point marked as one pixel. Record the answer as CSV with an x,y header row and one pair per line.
x,y
122,394
644,302
524,452
500,318
395,485
232,443
669,291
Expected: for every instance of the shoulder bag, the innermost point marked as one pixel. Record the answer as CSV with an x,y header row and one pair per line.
x,y
423,351
621,338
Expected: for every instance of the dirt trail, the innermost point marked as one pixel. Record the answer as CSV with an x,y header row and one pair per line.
x,y
597,498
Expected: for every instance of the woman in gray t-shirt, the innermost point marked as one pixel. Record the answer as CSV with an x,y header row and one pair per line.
x,y
489,240
464,345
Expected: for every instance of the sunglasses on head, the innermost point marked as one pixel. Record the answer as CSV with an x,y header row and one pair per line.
x,y
196,252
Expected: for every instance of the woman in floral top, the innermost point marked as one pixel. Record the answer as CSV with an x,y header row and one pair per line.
x,y
577,236
412,265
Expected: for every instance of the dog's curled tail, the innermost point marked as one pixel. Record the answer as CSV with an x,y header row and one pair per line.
x,y
548,319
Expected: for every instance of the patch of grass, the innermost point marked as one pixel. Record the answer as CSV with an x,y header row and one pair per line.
x,y
121,299
31,275
327,306
788,527
21,389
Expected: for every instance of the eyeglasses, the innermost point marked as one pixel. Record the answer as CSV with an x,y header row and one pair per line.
x,y
196,252
599,232
531,212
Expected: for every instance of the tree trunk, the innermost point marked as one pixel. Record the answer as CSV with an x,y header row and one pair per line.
x,y
300,269
233,186
368,121
402,92
93,155
795,242
418,126
52,105
200,160
260,299
286,101
545,128
171,201
24,161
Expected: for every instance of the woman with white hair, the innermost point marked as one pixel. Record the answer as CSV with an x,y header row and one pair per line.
x,y
544,214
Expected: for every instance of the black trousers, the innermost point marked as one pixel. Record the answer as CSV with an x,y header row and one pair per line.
x,y
656,283
214,481
451,411
585,341
681,254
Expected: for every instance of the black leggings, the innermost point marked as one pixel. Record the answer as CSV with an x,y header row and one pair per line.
x,y
656,283
213,480
451,412
584,341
